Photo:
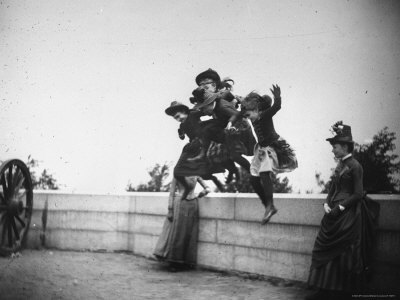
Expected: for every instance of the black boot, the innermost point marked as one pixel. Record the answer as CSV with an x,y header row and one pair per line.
x,y
268,214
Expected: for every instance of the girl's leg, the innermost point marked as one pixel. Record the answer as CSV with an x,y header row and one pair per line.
x,y
233,170
257,187
218,183
205,143
241,161
206,188
266,182
214,179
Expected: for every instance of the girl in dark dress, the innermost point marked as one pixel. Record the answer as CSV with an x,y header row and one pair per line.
x,y
337,262
227,126
190,126
272,153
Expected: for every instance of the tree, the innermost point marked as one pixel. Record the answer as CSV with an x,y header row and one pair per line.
x,y
322,184
45,181
244,186
381,166
158,174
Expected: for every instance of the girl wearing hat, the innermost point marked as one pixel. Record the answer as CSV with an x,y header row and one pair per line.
x,y
210,81
272,154
220,129
190,125
336,258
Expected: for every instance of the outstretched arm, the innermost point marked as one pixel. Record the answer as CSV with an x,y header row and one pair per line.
x,y
276,91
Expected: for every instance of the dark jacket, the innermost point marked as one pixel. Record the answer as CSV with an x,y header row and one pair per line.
x,y
264,126
191,126
347,184
225,112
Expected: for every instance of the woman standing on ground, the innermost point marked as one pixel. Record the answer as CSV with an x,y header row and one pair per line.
x,y
177,243
337,262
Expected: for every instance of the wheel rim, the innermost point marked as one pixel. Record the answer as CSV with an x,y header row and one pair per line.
x,y
16,201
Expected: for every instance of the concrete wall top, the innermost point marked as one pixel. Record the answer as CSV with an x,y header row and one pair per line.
x,y
293,209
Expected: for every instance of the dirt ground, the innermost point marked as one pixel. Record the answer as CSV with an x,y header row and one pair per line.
x,y
49,274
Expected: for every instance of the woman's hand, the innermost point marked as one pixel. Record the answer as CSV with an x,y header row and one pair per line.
x,y
276,91
327,208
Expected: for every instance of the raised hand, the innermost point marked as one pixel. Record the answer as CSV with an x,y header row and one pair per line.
x,y
276,91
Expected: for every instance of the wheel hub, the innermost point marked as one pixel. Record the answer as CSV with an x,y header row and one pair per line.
x,y
15,207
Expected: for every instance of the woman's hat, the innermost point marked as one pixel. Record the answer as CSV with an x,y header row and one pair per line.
x,y
203,98
210,73
342,133
175,107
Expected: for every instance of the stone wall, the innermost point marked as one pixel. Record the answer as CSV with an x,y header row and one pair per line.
x,y
231,237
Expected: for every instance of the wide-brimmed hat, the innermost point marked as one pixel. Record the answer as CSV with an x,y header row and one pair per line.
x,y
342,133
203,98
176,106
210,73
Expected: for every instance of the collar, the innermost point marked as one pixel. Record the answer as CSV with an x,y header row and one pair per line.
x,y
346,157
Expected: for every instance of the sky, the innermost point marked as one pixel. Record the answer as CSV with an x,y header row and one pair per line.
x,y
84,84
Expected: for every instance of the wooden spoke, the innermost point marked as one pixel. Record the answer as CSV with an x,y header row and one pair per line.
x,y
2,199
21,196
19,184
16,174
9,234
20,220
9,178
4,185
3,232
2,218
14,226
18,180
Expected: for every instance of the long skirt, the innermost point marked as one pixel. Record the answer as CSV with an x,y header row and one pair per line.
x,y
239,142
202,167
344,248
178,240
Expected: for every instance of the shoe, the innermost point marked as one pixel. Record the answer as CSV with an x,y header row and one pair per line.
x,y
204,192
229,178
267,216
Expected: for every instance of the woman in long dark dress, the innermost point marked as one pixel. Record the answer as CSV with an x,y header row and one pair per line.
x,y
177,243
337,263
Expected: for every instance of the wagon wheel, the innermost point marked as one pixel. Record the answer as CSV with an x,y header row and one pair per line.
x,y
16,201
